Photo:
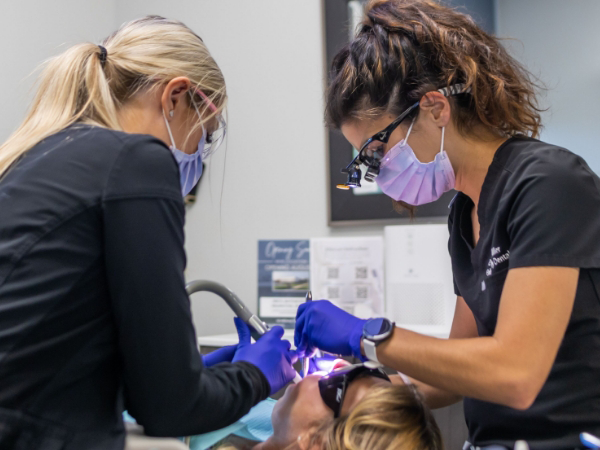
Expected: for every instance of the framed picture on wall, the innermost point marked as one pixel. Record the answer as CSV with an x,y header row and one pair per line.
x,y
367,204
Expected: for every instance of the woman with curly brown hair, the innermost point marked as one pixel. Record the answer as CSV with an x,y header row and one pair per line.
x,y
434,103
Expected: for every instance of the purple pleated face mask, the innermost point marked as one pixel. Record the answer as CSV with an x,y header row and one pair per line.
x,y
404,178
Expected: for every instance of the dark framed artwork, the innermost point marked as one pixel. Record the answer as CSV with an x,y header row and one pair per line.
x,y
368,205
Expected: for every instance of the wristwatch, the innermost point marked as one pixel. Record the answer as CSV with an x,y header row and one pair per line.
x,y
375,331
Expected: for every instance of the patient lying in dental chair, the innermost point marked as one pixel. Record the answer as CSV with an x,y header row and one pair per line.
x,y
355,407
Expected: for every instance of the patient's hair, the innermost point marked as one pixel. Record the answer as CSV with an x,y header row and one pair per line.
x,y
387,418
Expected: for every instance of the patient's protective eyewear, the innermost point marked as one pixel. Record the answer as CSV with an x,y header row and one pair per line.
x,y
333,386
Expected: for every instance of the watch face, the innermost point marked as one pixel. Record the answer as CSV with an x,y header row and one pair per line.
x,y
377,327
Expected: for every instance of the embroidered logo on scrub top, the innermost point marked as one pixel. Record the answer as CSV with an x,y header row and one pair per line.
x,y
496,260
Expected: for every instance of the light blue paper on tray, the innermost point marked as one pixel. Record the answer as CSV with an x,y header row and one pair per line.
x,y
256,426
128,418
207,440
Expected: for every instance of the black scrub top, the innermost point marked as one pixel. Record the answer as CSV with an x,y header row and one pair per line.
x,y
94,316
539,206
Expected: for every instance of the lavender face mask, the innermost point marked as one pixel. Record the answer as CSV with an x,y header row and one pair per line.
x,y
404,178
190,165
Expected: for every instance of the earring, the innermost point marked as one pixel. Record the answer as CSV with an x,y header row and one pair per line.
x,y
171,113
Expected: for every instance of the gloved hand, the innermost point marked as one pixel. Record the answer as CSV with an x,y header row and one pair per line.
x,y
271,355
321,324
225,354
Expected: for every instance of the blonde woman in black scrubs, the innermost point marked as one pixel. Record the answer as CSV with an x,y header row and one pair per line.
x,y
94,316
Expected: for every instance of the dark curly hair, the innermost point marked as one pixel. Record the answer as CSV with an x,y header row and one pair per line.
x,y
406,48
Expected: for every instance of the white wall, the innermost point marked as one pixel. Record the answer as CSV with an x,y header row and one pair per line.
x,y
34,30
271,52
560,43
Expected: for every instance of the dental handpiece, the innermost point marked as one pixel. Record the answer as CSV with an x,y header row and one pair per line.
x,y
236,305
264,328
306,360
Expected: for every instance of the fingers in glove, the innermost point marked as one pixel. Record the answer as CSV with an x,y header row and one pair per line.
x,y
224,354
305,348
275,333
301,309
299,329
243,330
293,356
290,373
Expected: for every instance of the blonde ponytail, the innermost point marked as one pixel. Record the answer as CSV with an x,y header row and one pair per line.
x,y
76,86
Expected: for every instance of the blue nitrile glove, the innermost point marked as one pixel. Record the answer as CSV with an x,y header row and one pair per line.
x,y
225,354
271,355
321,324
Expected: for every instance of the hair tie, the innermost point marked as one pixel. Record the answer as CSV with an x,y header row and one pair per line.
x,y
103,55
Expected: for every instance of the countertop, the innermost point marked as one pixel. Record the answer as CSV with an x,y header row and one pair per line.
x,y
220,340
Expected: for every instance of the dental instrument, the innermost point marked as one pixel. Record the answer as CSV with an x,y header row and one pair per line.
x,y
236,305
306,360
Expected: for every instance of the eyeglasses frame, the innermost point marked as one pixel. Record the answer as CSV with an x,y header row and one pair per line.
x,y
383,136
347,375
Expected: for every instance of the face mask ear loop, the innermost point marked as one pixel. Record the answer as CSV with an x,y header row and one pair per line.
x,y
409,130
442,146
169,129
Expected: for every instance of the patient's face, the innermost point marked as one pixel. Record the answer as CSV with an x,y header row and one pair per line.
x,y
301,407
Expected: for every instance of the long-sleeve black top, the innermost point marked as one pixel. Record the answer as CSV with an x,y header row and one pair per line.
x,y
94,316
